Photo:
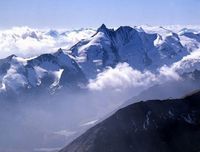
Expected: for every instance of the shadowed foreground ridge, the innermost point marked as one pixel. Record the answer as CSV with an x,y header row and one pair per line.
x,y
153,126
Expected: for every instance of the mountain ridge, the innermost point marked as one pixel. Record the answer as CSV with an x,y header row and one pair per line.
x,y
168,125
106,48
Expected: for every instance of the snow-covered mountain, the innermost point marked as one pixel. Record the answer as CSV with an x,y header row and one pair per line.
x,y
47,72
143,49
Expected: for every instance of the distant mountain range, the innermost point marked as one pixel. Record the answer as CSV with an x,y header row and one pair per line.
x,y
142,50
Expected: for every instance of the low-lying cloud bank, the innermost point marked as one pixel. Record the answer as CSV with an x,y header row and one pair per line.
x,y
125,79
27,42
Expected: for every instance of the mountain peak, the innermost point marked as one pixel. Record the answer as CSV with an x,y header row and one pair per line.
x,y
11,56
60,50
102,28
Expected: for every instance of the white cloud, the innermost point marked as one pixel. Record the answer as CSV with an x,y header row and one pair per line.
x,y
13,79
129,82
188,64
125,79
27,42
121,77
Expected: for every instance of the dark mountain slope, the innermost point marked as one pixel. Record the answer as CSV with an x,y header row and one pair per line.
x,y
153,126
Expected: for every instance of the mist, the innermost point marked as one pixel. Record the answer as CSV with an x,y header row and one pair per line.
x,y
51,122
47,122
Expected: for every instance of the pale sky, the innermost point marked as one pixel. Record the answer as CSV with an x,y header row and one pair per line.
x,y
92,13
